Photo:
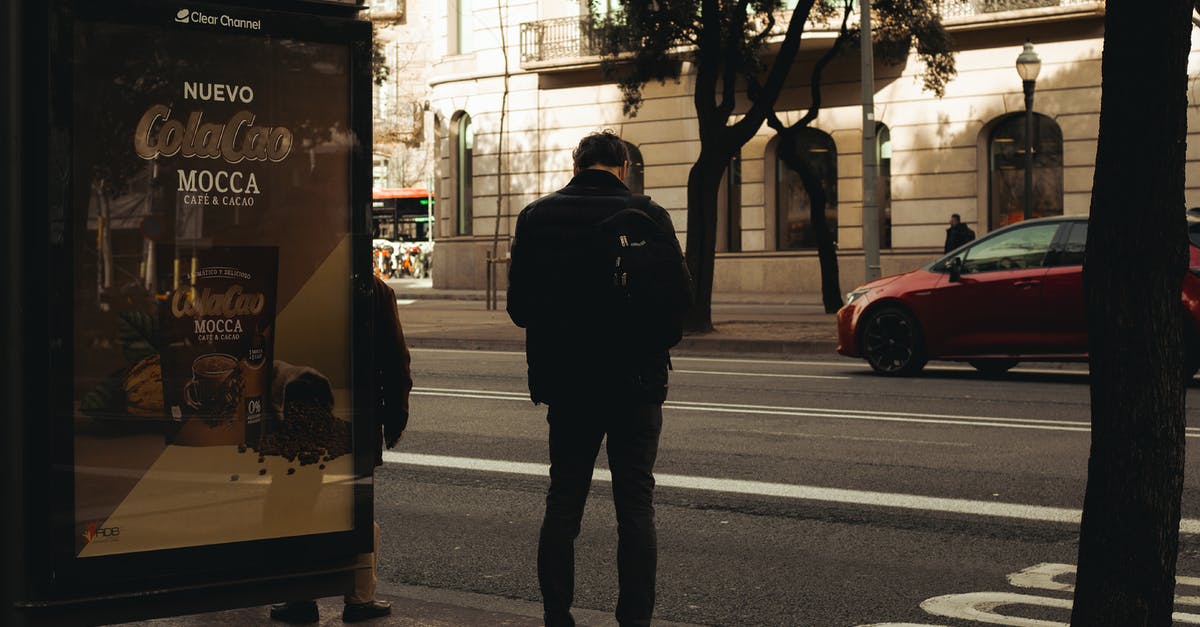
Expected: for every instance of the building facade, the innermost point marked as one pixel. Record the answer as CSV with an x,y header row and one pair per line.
x,y
404,146
528,66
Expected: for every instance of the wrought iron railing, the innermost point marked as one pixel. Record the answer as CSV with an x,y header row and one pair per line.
x,y
557,39
568,38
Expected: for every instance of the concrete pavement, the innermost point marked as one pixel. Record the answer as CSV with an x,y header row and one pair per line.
x,y
778,325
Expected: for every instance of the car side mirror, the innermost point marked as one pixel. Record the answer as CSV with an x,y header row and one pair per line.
x,y
955,267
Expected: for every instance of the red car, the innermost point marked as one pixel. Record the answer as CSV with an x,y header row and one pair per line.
x,y
1013,295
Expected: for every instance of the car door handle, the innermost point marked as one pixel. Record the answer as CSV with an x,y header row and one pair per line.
x,y
1027,283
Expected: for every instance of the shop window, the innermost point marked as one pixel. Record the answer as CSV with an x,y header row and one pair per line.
x,y
794,230
462,137
636,180
883,183
729,211
1006,170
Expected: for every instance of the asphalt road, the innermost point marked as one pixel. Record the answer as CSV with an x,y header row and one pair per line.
x,y
790,493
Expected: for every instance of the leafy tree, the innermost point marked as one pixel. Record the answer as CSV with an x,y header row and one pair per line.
x,y
727,41
902,24
1133,270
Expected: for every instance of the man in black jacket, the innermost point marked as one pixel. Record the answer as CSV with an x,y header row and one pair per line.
x,y
958,234
595,381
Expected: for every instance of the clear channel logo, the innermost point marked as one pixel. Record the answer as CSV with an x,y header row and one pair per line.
x,y
189,16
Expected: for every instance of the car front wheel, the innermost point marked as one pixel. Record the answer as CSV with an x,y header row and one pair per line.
x,y
892,343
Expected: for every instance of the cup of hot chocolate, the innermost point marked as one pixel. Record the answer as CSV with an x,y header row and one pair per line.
x,y
212,389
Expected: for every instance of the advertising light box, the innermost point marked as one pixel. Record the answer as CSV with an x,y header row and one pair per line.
x,y
210,413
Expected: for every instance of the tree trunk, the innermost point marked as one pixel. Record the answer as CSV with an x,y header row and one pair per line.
x,y
831,289
1134,266
704,186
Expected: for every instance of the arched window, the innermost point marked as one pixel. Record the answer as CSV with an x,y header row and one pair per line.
x,y
1006,169
462,137
636,181
793,223
883,183
733,204
729,208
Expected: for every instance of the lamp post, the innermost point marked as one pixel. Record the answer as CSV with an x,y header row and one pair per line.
x,y
870,204
1028,66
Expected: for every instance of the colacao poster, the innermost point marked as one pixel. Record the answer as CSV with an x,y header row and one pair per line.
x,y
212,306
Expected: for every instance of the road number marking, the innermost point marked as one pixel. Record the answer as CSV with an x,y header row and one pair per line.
x,y
984,607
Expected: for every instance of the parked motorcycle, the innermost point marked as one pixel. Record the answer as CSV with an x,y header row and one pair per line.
x,y
383,263
415,262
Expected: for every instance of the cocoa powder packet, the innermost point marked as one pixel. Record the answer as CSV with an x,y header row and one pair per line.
x,y
217,347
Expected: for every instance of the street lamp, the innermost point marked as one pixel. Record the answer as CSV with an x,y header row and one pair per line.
x,y
1028,66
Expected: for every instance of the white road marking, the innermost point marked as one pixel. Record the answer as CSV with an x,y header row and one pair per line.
x,y
846,363
816,412
850,362
781,490
405,301
460,350
760,374
980,607
1045,577
786,362
846,437
901,625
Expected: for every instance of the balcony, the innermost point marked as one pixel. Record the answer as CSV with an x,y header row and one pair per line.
x,y
573,41
558,40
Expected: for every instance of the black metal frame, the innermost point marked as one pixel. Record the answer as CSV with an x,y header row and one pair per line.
x,y
44,581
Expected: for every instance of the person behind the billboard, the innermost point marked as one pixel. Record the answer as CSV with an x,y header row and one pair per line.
x,y
393,382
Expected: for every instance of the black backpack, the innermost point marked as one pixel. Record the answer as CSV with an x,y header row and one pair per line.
x,y
648,288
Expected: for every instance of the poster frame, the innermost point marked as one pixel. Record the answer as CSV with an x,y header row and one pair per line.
x,y
42,447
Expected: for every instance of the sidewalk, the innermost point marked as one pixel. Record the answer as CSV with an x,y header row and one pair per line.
x,y
766,324
412,606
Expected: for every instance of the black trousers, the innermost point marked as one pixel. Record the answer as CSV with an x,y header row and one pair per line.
x,y
575,435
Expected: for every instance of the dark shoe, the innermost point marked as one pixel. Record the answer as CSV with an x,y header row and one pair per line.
x,y
355,612
296,612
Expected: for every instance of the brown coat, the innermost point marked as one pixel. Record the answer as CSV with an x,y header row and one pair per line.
x,y
393,369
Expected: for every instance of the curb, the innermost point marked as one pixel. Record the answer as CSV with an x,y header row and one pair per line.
x,y
689,346
426,294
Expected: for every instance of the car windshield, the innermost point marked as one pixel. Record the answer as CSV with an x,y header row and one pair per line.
x,y
1194,233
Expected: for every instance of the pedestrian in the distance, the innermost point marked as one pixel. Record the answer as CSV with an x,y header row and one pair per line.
x,y
392,382
598,282
958,234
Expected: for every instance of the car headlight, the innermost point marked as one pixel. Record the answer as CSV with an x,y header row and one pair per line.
x,y
856,294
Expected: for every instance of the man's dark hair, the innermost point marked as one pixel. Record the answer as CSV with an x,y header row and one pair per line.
x,y
955,216
603,148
